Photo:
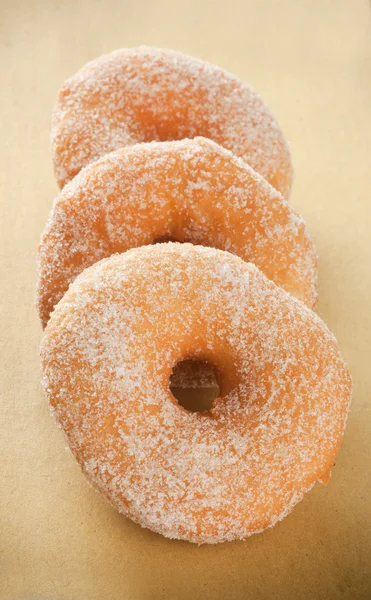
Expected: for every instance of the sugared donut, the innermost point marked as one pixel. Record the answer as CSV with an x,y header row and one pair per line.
x,y
147,94
188,191
107,355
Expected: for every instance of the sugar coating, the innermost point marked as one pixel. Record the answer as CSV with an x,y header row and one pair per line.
x,y
146,94
189,191
107,355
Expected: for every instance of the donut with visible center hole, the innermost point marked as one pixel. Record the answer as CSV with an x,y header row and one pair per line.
x,y
145,94
107,356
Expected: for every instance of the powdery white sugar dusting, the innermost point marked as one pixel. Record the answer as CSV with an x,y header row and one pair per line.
x,y
107,355
149,94
189,191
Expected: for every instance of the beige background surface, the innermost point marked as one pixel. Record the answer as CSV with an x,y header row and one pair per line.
x,y
310,60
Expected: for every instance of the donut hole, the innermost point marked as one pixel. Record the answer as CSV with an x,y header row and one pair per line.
x,y
194,384
164,239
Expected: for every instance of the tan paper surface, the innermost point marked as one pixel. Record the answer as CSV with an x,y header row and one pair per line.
x,y
310,60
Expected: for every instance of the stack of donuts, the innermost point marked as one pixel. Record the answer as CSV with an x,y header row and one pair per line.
x,y
172,240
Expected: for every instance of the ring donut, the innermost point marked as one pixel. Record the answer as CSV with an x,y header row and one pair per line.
x,y
107,355
187,191
148,94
